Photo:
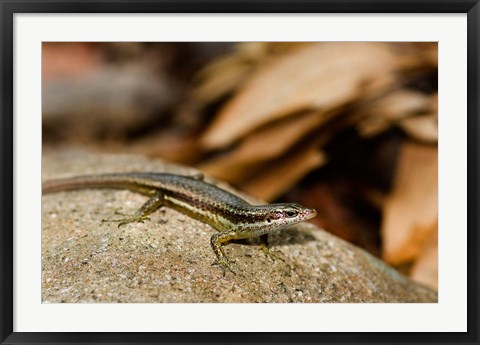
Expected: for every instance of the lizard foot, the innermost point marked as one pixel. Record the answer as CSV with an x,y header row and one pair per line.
x,y
225,264
124,221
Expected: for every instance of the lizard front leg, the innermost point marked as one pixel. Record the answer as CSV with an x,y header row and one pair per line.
x,y
217,241
154,203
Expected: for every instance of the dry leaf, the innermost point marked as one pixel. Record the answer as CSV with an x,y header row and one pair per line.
x,y
171,146
320,76
386,111
282,175
422,128
425,269
423,55
425,127
277,138
224,169
412,208
228,73
265,144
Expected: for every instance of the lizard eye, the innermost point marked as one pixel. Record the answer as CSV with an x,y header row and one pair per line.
x,y
291,213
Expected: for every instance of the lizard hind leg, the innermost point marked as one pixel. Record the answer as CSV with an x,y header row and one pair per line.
x,y
273,255
152,204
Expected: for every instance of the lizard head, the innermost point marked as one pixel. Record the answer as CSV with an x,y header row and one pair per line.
x,y
283,215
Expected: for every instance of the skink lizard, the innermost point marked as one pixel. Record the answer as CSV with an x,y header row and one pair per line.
x,y
232,216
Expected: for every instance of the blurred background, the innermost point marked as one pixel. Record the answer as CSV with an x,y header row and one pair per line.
x,y
349,129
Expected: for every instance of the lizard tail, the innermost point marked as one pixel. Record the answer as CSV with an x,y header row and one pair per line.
x,y
112,181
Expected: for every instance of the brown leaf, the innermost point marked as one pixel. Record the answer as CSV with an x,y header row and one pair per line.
x,y
412,208
263,145
425,269
386,111
320,76
228,73
171,146
282,175
422,128
223,168
422,55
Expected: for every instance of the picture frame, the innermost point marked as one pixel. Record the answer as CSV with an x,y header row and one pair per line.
x,y
7,170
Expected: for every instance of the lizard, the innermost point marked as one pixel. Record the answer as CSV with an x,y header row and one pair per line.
x,y
233,217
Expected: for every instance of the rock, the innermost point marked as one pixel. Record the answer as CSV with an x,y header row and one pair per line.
x,y
168,258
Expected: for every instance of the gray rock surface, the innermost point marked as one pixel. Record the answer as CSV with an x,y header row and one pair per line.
x,y
168,258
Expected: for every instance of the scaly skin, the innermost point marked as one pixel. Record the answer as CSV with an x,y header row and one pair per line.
x,y
232,216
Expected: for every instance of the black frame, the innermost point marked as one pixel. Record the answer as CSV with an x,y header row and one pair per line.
x,y
9,7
